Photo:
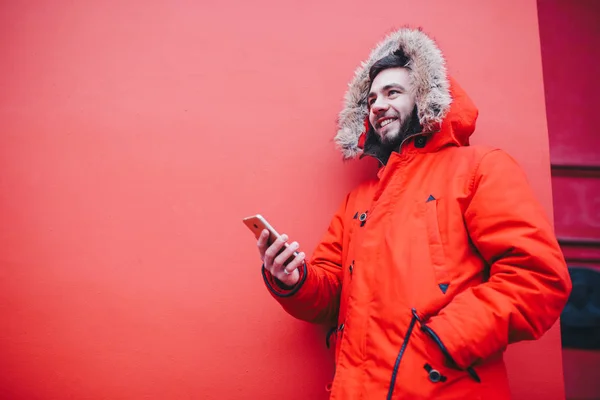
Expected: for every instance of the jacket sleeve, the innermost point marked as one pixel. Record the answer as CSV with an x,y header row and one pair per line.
x,y
316,297
529,283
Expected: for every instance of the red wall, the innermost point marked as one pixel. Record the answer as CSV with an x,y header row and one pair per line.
x,y
135,137
570,38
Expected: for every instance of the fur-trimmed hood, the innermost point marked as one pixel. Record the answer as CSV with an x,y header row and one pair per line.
x,y
434,92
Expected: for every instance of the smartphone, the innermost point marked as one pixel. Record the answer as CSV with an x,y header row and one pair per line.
x,y
257,223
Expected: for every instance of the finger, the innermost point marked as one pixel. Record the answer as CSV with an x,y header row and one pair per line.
x,y
285,255
262,242
296,263
272,251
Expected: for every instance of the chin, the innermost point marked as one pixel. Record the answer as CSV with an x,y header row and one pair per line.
x,y
390,137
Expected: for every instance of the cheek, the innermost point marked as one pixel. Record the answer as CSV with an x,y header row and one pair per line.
x,y
404,107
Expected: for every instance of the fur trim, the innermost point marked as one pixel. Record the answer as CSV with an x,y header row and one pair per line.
x,y
430,82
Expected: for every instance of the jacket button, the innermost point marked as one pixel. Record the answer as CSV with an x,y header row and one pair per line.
x,y
420,142
362,217
435,376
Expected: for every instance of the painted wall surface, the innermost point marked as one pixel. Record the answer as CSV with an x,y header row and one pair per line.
x,y
570,38
136,135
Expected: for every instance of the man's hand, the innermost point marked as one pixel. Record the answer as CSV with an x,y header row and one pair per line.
x,y
275,256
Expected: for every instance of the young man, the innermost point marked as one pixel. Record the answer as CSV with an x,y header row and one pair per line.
x,y
432,269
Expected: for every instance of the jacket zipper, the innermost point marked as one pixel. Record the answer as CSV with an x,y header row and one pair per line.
x,y
401,353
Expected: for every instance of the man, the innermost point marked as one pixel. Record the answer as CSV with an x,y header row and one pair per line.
x,y
432,269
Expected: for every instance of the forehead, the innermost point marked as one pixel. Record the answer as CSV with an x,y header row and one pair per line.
x,y
391,76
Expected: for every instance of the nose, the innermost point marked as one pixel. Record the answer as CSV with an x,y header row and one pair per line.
x,y
379,105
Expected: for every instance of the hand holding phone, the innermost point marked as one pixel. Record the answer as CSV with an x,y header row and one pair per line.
x,y
280,258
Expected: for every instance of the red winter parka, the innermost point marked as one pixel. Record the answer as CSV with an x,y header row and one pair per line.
x,y
430,270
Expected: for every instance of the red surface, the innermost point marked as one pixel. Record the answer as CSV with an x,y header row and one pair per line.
x,y
570,38
581,374
577,205
570,34
137,135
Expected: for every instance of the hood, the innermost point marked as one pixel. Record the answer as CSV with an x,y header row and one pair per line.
x,y
443,107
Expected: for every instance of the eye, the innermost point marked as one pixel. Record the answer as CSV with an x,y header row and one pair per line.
x,y
394,92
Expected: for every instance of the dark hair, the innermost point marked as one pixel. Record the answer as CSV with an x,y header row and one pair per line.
x,y
395,60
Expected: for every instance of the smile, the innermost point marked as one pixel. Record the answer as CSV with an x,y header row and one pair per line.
x,y
386,122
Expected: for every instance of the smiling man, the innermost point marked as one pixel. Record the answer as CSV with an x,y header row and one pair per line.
x,y
431,269
391,101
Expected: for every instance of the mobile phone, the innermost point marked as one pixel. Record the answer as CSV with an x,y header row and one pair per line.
x,y
257,223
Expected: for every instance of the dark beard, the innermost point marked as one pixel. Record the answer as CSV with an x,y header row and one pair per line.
x,y
409,126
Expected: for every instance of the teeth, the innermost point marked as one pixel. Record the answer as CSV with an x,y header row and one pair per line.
x,y
386,122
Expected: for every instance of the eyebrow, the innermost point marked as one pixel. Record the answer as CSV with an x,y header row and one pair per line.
x,y
388,87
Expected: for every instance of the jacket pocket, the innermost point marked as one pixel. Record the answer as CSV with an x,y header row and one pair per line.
x,y
407,335
436,247
448,359
435,368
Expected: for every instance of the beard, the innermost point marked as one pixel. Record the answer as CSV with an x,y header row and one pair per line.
x,y
408,126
